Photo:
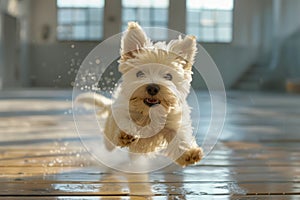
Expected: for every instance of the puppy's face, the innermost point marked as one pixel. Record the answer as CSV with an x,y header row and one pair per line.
x,y
149,85
153,87
154,74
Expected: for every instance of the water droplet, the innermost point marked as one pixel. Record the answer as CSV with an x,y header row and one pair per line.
x,y
73,46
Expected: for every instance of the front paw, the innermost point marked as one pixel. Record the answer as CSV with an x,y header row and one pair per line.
x,y
190,156
125,139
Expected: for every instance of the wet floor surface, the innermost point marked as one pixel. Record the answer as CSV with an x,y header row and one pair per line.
x,y
257,156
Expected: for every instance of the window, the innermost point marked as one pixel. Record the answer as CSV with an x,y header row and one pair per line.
x,y
79,19
210,20
149,13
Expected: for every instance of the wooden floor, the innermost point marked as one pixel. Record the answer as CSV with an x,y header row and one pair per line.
x,y
257,157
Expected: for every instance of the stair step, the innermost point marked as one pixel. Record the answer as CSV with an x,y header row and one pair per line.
x,y
259,70
251,78
248,86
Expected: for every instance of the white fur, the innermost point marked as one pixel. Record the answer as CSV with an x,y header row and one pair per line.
x,y
134,38
170,126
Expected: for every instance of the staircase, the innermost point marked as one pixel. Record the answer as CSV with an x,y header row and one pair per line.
x,y
252,78
263,74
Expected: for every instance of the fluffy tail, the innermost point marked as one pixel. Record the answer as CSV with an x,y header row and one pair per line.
x,y
96,101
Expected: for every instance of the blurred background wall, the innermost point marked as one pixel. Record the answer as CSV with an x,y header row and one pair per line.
x,y
262,51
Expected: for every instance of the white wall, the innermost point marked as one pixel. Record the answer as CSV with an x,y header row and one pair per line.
x,y
51,60
289,19
20,10
250,39
1,46
24,17
44,13
286,43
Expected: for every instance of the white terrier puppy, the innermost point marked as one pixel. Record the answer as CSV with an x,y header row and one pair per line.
x,y
149,112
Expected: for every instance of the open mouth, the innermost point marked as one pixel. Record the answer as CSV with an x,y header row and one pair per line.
x,y
151,101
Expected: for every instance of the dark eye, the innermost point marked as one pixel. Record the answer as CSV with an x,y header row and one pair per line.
x,y
168,76
140,74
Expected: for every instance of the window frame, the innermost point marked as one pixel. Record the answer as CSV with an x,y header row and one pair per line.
x,y
119,22
151,12
215,27
152,21
86,24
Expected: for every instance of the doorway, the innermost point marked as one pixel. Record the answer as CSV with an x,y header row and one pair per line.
x,y
11,50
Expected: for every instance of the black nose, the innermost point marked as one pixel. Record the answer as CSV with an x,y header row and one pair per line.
x,y
152,89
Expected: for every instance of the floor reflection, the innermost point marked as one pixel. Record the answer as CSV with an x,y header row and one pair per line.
x,y
256,157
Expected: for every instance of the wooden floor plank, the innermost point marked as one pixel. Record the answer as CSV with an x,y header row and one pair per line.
x,y
226,188
190,197
257,157
118,189
201,174
79,197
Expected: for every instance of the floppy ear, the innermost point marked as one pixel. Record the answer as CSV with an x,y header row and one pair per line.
x,y
185,48
133,39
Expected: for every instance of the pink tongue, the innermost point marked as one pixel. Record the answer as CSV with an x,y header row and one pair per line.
x,y
152,100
